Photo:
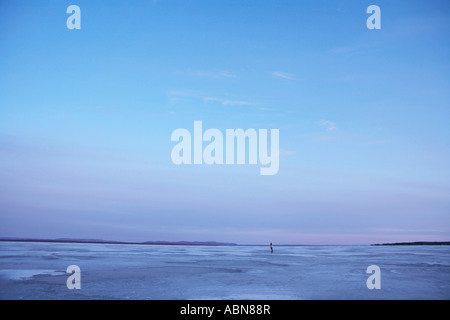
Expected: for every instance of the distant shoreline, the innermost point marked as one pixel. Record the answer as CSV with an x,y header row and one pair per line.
x,y
208,243
417,243
99,241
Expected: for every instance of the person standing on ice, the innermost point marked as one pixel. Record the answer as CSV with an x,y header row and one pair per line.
x,y
271,248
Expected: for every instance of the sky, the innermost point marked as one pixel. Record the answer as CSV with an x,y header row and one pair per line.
x,y
86,118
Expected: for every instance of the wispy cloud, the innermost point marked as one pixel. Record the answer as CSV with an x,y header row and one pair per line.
x,y
183,93
283,75
284,152
227,102
178,95
227,74
328,124
351,50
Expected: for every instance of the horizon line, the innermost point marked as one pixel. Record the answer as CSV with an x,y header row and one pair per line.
x,y
200,243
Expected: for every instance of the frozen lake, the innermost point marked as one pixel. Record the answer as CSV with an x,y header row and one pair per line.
x,y
112,271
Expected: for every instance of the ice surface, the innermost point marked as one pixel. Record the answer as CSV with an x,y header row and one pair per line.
x,y
112,271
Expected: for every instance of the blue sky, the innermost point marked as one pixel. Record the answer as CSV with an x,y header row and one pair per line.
x,y
86,118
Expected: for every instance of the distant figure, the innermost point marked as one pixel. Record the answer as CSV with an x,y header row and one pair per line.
x,y
271,248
